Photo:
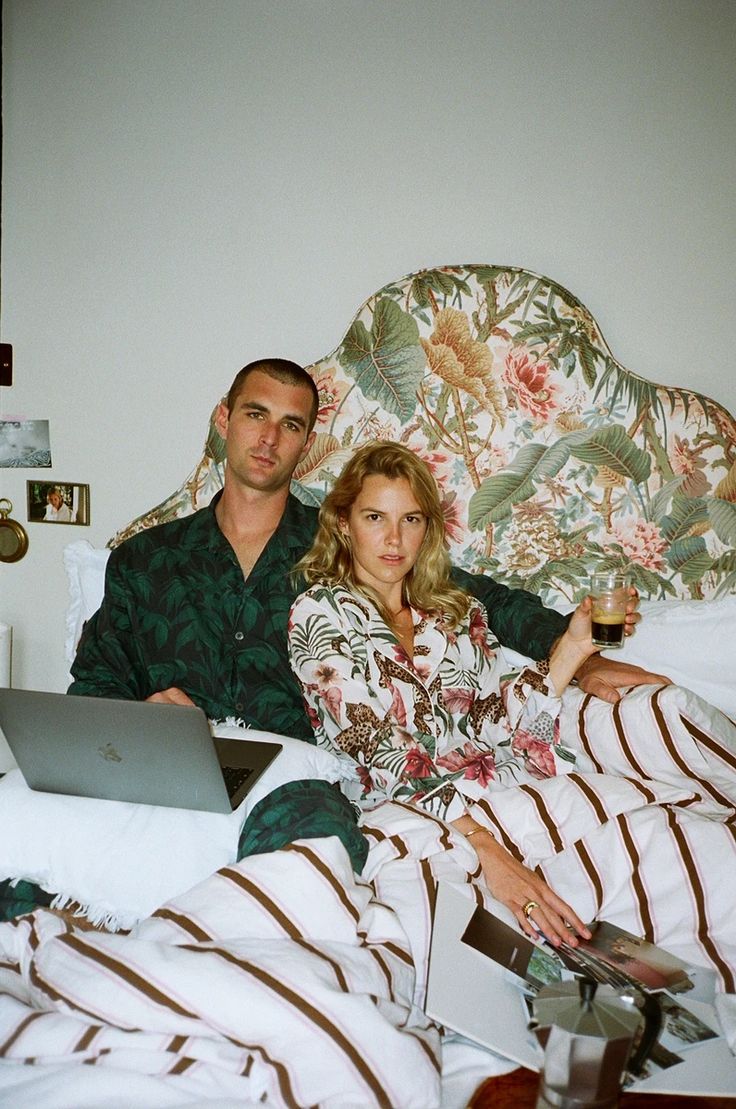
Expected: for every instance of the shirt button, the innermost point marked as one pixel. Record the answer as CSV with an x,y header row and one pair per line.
x,y
239,636
239,706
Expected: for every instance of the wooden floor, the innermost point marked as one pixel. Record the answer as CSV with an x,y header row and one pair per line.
x,y
518,1090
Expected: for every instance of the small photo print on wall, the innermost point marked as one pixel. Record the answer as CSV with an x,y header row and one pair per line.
x,y
24,443
56,502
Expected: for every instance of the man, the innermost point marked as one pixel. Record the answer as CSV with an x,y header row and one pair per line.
x,y
195,611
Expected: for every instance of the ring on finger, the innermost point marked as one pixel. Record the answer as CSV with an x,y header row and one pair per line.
x,y
529,909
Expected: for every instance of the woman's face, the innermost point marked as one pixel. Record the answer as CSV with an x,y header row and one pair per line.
x,y
386,527
54,500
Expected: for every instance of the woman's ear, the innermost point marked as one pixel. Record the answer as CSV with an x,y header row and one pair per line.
x,y
342,523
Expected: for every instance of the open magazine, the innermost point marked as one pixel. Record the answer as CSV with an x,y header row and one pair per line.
x,y
484,975
612,957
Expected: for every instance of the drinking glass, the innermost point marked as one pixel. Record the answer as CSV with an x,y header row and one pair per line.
x,y
610,592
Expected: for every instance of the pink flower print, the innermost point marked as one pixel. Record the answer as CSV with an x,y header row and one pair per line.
x,y
333,699
364,777
331,393
479,633
314,720
435,461
688,462
418,764
529,381
458,700
642,542
537,754
478,765
398,708
453,513
422,669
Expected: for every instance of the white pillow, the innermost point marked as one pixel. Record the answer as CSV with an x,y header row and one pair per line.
x,y
691,642
85,568
121,861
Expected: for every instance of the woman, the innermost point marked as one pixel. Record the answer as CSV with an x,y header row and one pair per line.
x,y
399,672
57,511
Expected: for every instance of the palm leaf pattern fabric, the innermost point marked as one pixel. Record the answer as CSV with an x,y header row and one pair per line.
x,y
551,457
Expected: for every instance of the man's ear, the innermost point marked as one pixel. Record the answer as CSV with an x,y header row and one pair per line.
x,y
307,446
222,418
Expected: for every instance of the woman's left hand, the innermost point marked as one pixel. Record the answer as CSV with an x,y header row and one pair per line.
x,y
535,905
579,628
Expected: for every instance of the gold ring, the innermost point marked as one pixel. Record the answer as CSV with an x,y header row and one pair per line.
x,y
529,908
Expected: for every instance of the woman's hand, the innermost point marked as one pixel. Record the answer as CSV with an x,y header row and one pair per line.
x,y
573,648
580,627
515,886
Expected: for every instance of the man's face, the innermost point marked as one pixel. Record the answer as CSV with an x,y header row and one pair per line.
x,y
266,432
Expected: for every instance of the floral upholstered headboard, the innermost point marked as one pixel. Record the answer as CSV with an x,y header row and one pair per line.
x,y
551,456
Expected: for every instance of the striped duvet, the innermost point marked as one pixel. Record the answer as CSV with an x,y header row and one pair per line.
x,y
286,980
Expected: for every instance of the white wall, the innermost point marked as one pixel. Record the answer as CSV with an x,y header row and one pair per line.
x,y
189,184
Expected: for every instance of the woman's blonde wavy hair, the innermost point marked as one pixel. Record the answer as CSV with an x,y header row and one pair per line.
x,y
427,586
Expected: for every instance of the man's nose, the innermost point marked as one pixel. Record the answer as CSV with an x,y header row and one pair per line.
x,y
269,432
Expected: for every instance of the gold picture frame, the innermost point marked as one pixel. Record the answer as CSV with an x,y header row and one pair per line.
x,y
58,502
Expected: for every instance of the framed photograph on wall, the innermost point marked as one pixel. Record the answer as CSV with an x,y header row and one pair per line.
x,y
57,502
25,443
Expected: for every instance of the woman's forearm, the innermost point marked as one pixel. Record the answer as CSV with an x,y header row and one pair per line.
x,y
566,658
536,907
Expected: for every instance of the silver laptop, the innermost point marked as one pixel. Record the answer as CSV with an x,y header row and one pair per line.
x,y
154,754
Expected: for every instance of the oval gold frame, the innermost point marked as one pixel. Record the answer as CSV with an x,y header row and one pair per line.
x,y
9,551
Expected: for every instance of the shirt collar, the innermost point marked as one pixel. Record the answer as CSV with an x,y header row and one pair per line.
x,y
295,531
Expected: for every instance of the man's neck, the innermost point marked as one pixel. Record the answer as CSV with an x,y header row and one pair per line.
x,y
248,518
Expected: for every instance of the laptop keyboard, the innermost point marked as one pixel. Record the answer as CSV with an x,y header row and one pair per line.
x,y
234,777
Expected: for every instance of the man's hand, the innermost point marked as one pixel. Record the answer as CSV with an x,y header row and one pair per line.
x,y
171,696
603,677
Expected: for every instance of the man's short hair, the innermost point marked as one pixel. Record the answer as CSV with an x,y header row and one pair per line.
x,y
280,369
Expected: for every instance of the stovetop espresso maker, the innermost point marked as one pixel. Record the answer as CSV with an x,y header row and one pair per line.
x,y
587,1032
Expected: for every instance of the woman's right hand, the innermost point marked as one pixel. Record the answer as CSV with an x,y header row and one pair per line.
x,y
515,885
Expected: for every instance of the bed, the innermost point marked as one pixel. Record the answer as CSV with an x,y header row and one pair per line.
x,y
286,978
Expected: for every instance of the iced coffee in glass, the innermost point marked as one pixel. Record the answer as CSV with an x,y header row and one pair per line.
x,y
610,592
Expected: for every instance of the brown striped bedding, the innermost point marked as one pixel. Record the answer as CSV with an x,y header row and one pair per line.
x,y
287,980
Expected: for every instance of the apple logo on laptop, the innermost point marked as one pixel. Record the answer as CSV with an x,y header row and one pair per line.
x,y
108,752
